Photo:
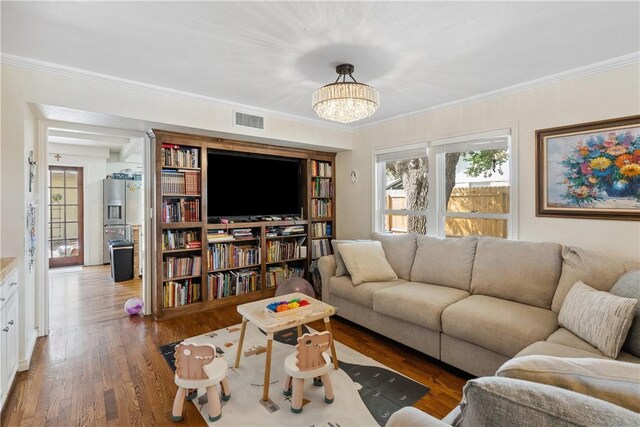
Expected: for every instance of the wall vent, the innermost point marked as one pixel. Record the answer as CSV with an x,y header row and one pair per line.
x,y
248,120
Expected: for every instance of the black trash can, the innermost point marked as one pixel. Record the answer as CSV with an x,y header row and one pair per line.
x,y
121,254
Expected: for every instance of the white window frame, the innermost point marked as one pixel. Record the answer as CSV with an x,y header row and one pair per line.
x,y
380,157
496,139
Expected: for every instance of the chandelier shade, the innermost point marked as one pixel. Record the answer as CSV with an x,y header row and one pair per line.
x,y
345,102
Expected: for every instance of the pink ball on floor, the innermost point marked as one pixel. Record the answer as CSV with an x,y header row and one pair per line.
x,y
133,306
295,284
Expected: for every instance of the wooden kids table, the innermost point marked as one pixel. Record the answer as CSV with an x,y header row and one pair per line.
x,y
254,312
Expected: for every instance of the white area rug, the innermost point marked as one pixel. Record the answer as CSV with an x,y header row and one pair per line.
x,y
366,392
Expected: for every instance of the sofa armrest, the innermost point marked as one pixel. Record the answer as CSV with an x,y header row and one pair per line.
x,y
327,267
412,417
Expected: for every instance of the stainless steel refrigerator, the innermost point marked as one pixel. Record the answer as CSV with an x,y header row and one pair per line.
x,y
122,207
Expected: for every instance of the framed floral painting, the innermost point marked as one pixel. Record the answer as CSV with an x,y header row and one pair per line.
x,y
589,170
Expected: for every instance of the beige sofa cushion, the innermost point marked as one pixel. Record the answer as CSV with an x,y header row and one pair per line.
x,y
363,294
366,262
601,319
525,272
628,286
503,326
546,348
610,380
566,337
563,343
418,303
593,268
400,251
446,262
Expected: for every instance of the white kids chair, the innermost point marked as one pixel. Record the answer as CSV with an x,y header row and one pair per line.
x,y
309,361
196,367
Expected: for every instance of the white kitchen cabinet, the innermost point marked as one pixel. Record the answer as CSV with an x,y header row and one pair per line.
x,y
8,333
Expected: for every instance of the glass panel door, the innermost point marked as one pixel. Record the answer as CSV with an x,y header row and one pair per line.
x,y
66,245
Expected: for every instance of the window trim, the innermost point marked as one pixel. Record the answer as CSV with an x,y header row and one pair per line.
x,y
383,155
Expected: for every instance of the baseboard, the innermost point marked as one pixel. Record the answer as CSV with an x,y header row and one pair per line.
x,y
23,364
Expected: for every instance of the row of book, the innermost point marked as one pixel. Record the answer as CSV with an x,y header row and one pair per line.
x,y
181,210
242,233
321,187
224,255
284,231
180,239
278,274
320,247
214,236
321,229
180,182
320,208
181,292
179,157
181,266
279,250
220,285
320,168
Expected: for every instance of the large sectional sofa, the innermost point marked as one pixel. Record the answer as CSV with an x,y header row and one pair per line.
x,y
474,303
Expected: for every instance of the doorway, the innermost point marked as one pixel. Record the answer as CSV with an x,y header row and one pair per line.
x,y
66,216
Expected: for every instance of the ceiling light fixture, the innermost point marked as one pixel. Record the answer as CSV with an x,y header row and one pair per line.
x,y
344,101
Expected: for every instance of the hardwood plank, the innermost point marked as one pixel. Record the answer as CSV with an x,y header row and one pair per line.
x,y
99,366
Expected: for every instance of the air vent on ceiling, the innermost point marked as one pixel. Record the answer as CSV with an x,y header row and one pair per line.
x,y
248,120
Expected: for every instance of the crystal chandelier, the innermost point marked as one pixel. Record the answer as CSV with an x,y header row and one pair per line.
x,y
344,101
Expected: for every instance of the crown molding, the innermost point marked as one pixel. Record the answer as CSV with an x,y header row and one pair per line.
x,y
38,65
598,67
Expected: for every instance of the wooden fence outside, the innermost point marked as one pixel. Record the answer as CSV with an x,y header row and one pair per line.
x,y
472,199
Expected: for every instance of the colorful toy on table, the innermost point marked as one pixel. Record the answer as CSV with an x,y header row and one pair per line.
x,y
281,306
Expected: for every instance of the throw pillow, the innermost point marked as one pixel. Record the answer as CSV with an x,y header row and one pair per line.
x,y
628,286
594,268
366,262
601,319
610,380
341,269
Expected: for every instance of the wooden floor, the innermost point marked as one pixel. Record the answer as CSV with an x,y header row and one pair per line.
x,y
100,367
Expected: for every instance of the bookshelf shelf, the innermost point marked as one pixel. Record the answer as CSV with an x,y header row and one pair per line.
x,y
232,240
181,168
182,250
180,196
176,225
286,237
235,268
178,278
285,260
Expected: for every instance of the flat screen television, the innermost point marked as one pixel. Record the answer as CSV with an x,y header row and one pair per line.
x,y
242,185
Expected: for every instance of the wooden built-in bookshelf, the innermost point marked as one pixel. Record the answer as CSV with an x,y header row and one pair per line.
x,y
192,277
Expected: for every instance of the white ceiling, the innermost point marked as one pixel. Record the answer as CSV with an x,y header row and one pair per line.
x,y
273,55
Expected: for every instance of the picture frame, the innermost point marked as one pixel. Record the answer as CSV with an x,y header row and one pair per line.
x,y
589,170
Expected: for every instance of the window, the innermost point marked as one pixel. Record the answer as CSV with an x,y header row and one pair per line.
x,y
474,182
401,189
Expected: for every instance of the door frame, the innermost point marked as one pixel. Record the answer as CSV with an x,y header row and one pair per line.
x,y
78,259
42,300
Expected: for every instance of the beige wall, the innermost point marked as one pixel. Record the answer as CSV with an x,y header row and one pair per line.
x,y
24,86
609,94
